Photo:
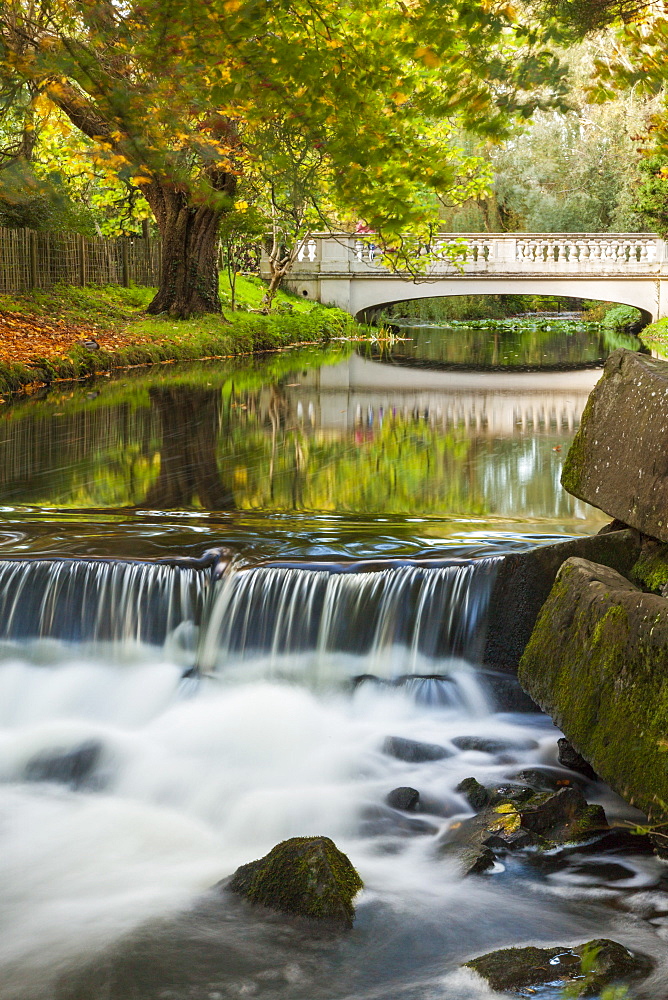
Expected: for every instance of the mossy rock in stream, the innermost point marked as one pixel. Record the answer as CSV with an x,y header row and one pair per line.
x,y
305,876
593,966
541,820
523,583
597,663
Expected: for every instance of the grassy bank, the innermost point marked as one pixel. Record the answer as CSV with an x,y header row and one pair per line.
x,y
43,334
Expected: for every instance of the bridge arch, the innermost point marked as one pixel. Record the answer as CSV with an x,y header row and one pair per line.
x,y
641,295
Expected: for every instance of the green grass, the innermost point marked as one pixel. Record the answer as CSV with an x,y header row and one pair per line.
x,y
250,290
140,339
108,305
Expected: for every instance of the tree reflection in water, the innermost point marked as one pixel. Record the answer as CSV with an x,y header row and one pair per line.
x,y
190,419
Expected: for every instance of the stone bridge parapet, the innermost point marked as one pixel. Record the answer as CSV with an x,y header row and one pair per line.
x,y
350,272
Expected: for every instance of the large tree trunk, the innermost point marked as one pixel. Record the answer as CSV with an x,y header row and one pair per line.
x,y
188,226
189,277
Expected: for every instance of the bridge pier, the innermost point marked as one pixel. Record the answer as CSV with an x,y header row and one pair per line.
x,y
631,269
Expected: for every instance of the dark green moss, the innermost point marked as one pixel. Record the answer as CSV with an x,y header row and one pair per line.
x,y
571,474
651,569
306,876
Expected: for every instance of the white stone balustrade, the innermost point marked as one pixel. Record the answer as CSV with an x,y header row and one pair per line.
x,y
476,251
354,273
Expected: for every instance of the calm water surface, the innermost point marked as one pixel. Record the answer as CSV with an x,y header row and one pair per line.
x,y
435,446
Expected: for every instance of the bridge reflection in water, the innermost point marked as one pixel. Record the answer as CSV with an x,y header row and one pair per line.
x,y
361,392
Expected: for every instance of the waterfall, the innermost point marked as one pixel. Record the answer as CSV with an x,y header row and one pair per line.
x,y
431,612
398,618
78,600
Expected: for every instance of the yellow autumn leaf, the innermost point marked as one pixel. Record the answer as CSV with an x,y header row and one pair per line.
x,y
509,818
430,58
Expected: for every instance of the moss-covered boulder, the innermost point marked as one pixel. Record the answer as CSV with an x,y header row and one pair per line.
x,y
305,876
520,968
592,965
524,580
619,458
597,662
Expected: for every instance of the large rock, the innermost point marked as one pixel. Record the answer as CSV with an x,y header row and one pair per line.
x,y
524,580
619,458
570,758
597,662
305,876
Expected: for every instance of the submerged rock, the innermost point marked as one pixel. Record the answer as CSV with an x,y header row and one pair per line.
x,y
504,690
596,964
597,662
67,767
542,779
306,876
485,744
412,751
377,821
404,798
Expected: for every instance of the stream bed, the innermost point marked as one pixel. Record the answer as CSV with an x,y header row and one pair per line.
x,y
166,715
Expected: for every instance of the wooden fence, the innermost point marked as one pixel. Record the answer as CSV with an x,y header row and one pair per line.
x,y
30,259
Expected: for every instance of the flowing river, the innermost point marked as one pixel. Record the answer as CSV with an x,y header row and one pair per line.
x,y
226,593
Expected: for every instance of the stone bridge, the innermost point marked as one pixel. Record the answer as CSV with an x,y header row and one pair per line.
x,y
349,272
